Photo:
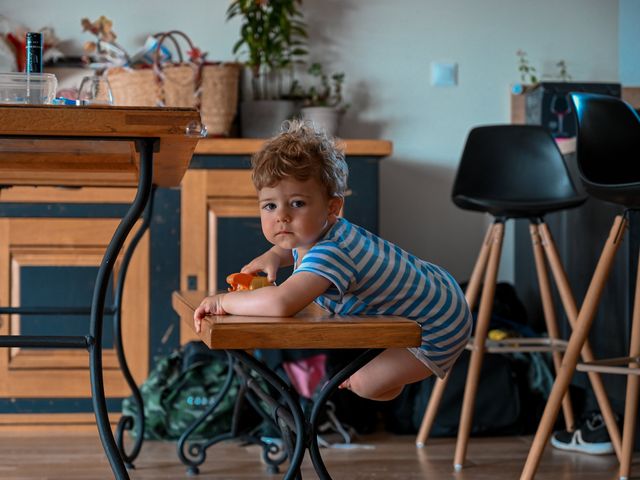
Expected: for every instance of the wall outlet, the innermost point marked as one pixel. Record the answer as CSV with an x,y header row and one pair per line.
x,y
444,74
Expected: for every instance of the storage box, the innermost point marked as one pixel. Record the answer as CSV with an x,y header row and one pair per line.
x,y
22,88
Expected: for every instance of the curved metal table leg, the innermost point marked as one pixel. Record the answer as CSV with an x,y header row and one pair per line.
x,y
196,453
97,307
127,422
325,394
296,412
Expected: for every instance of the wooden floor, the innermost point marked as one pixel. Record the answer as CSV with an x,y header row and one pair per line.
x,y
67,456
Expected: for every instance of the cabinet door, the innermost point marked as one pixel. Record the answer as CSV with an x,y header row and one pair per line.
x,y
54,262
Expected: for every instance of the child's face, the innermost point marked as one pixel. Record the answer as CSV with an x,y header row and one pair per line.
x,y
295,214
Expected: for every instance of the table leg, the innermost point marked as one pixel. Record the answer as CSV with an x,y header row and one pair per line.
x,y
140,201
127,422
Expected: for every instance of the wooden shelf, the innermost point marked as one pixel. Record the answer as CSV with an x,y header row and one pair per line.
x,y
248,146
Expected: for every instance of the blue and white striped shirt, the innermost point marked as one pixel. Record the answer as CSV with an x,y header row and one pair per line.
x,y
371,276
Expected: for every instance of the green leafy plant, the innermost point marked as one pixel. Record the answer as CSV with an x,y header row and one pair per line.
x,y
273,39
563,72
325,92
527,71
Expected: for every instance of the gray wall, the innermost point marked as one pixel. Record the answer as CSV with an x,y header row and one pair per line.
x,y
386,49
629,42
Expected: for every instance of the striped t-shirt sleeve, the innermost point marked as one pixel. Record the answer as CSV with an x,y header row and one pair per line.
x,y
329,261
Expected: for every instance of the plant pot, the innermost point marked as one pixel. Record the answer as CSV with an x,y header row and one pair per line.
x,y
263,118
323,118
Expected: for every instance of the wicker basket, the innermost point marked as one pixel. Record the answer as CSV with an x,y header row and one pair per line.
x,y
219,97
166,85
212,88
133,88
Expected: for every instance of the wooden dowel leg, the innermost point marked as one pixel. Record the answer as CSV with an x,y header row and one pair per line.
x,y
432,409
471,295
550,315
475,364
475,282
578,337
633,382
571,310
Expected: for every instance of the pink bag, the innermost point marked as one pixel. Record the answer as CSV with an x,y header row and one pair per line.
x,y
305,374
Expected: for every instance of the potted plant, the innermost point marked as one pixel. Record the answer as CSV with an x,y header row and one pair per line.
x,y
272,38
322,102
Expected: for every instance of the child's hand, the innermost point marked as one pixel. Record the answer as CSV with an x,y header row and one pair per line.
x,y
209,306
268,263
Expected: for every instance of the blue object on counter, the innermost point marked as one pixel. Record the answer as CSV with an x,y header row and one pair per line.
x,y
64,101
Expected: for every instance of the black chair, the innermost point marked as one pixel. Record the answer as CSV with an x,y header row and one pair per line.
x,y
512,172
608,147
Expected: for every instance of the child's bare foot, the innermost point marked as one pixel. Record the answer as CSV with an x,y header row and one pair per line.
x,y
346,384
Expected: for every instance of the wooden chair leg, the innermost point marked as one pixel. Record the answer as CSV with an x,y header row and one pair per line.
x,y
431,411
471,295
480,336
550,315
576,342
571,310
633,382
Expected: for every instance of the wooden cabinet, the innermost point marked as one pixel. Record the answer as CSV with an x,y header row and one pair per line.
x,y
51,244
199,233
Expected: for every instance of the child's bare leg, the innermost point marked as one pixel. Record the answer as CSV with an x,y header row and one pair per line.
x,y
384,377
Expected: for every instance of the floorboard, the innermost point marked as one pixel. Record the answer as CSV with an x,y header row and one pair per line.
x,y
68,456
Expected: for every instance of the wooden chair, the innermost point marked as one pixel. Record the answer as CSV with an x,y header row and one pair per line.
x,y
310,328
513,172
608,143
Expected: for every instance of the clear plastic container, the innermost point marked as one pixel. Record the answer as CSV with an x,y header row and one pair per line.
x,y
22,88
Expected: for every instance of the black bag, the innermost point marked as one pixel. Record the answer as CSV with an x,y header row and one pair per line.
x,y
506,401
505,405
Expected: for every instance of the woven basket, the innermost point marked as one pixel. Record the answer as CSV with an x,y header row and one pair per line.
x,y
212,88
168,85
219,97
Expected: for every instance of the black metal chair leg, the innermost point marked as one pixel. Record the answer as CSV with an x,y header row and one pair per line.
x,y
294,407
321,400
97,308
195,454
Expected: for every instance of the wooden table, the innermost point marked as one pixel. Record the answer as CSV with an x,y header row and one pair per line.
x,y
97,146
310,328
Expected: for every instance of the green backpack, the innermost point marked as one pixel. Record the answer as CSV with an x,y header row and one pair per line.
x,y
179,389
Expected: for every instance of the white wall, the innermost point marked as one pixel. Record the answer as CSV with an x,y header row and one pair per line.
x,y
385,48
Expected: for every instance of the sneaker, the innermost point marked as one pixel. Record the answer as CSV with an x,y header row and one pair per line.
x,y
590,437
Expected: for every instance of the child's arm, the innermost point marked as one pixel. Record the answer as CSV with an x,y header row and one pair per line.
x,y
283,300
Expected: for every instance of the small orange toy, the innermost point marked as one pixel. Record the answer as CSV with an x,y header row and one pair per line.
x,y
246,281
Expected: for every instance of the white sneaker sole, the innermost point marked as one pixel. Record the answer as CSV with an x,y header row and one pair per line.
x,y
580,446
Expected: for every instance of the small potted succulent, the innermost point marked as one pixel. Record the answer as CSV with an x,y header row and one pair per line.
x,y
272,39
322,102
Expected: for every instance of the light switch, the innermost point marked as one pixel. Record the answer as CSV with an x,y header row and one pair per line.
x,y
444,74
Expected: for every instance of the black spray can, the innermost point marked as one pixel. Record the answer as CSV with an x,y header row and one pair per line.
x,y
34,52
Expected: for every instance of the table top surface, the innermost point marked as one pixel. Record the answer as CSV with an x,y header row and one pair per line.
x,y
248,146
310,328
93,145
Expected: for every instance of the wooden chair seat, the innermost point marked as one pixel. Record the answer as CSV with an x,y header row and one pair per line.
x,y
310,328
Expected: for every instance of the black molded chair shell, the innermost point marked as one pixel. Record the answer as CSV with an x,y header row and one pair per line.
x,y
608,146
513,171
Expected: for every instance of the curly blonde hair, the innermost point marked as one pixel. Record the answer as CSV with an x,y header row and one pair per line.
x,y
302,152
